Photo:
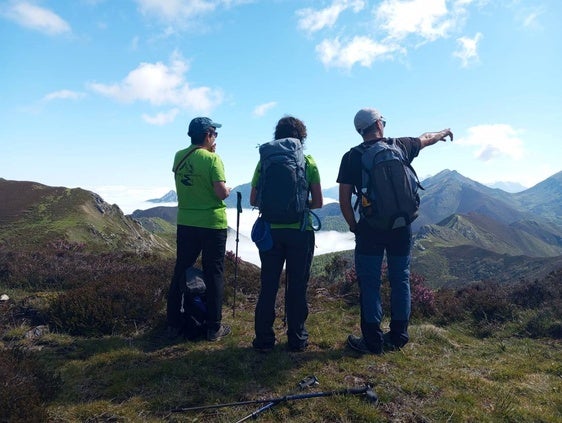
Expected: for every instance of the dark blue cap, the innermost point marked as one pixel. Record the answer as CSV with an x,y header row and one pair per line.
x,y
201,125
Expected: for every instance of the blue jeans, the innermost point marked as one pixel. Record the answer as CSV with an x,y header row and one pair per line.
x,y
370,248
297,249
211,244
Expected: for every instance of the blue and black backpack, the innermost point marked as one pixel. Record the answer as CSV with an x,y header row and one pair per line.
x,y
388,198
282,189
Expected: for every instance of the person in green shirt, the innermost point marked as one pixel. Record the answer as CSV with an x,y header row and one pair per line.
x,y
201,224
293,246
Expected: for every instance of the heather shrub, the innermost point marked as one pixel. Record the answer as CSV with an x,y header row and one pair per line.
x,y
485,305
347,287
247,276
114,304
336,268
544,323
540,293
423,297
448,306
26,387
62,265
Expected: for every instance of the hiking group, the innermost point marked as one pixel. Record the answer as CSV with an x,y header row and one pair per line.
x,y
286,188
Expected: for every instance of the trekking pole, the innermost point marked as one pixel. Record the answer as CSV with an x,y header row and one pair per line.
x,y
238,211
365,390
305,383
286,292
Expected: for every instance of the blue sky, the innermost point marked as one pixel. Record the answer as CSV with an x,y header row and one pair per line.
x,y
98,94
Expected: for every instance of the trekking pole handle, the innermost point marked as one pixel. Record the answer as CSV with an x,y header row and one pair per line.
x,y
239,201
308,381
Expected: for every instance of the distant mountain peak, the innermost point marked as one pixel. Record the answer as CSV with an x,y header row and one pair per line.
x,y
169,197
507,186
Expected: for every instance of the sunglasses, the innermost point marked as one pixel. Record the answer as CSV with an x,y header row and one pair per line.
x,y
214,134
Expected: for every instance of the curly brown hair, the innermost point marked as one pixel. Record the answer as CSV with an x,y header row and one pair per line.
x,y
290,127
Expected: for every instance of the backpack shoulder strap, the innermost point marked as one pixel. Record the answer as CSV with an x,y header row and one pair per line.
x,y
185,158
392,141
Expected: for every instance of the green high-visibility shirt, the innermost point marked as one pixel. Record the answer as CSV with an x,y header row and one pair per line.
x,y
198,204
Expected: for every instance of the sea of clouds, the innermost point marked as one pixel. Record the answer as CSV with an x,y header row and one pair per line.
x,y
326,241
130,200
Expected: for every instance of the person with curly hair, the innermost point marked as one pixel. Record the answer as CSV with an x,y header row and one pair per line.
x,y
293,246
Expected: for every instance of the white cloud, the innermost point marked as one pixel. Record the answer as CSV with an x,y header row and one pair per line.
x,y
64,95
397,25
172,10
360,49
162,118
428,19
183,12
468,49
262,109
161,85
494,141
530,18
326,241
311,20
37,18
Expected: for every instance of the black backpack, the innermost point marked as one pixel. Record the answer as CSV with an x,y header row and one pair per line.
x,y
282,189
389,191
193,304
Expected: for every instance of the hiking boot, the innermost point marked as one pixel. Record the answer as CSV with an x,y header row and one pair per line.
x,y
357,343
223,331
388,343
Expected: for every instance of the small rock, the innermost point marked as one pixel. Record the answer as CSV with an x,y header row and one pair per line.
x,y
37,332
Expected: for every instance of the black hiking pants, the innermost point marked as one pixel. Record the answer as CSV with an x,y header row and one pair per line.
x,y
296,248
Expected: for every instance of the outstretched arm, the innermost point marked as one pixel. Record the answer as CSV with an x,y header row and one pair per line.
x,y
430,138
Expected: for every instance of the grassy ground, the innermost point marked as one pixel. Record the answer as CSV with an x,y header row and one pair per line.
x,y
443,374
485,353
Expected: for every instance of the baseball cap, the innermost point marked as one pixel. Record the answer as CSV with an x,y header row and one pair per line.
x,y
365,118
200,125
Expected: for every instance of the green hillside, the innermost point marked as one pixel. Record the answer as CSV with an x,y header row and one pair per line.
x,y
92,347
33,215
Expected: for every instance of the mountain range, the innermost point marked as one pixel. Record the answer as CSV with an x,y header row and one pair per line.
x,y
458,215
465,231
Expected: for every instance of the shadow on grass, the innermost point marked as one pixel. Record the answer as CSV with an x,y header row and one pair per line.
x,y
166,375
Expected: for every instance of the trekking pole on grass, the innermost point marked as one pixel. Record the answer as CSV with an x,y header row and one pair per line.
x,y
286,292
305,383
366,390
238,211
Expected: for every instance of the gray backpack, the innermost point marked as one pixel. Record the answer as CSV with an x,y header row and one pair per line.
x,y
388,197
282,189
